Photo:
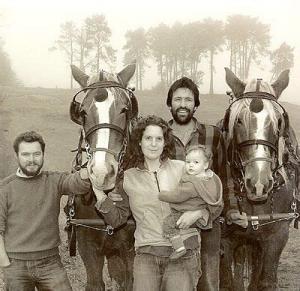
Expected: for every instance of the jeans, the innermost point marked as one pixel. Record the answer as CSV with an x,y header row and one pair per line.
x,y
153,273
210,258
45,274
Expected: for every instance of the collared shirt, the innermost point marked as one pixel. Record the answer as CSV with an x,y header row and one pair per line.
x,y
19,173
211,137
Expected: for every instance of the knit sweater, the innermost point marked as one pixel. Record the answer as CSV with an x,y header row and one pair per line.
x,y
29,210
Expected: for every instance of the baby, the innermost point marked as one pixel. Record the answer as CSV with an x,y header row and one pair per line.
x,y
199,189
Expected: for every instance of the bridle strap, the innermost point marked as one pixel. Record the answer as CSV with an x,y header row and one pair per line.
x,y
257,142
104,125
93,150
103,85
263,159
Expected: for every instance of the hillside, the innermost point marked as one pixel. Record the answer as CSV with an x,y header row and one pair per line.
x,y
47,111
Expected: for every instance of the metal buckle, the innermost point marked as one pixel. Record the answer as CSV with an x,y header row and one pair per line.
x,y
255,224
110,230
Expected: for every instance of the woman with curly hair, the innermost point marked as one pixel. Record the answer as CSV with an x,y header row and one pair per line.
x,y
150,171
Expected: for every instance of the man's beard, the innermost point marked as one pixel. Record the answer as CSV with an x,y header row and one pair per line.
x,y
31,173
182,120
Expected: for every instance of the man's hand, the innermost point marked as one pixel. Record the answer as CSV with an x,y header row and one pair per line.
x,y
234,216
84,173
4,263
188,218
4,259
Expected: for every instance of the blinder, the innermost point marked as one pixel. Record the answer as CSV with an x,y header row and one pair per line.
x,y
75,112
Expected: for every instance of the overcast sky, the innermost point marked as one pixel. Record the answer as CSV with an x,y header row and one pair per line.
x,y
29,28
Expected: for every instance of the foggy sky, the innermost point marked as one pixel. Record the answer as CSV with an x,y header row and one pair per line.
x,y
29,28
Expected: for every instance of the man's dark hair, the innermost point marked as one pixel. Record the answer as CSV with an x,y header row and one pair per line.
x,y
28,136
183,82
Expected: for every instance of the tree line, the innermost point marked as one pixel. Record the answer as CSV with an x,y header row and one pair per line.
x,y
176,50
7,74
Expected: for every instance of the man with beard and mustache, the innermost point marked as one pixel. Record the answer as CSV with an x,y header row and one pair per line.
x,y
183,100
29,210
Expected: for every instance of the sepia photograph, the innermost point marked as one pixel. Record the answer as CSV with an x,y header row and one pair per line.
x,y
149,145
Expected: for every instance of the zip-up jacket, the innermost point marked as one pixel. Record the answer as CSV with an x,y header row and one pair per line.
x,y
140,190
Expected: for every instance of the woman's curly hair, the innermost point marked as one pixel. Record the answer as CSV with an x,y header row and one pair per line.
x,y
134,155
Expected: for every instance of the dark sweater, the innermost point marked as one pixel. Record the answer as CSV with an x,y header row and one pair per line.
x,y
29,210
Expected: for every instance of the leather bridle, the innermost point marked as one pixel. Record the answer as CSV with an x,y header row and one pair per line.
x,y
86,134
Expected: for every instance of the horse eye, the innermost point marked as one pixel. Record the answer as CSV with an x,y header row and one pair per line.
x,y
124,110
279,124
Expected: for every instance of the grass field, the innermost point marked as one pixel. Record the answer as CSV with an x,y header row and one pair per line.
x,y
46,111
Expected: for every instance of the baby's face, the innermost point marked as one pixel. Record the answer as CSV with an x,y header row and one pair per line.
x,y
196,163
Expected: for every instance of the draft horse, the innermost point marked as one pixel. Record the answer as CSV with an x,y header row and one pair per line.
x,y
105,113
262,153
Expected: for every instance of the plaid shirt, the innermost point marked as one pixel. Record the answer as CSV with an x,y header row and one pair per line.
x,y
212,138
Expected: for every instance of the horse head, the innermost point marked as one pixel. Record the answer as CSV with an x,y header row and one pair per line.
x,y
256,125
105,113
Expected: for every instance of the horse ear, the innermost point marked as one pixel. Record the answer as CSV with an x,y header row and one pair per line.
x,y
80,77
281,83
126,74
237,86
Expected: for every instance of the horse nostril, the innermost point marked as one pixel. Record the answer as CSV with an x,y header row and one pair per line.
x,y
248,184
112,172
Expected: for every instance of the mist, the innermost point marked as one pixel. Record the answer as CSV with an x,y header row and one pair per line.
x,y
29,28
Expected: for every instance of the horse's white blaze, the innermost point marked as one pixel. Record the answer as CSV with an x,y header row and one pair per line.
x,y
261,123
259,187
103,134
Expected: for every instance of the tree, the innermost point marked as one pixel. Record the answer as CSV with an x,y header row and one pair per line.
x,y
159,40
66,43
99,33
248,39
7,75
282,59
137,48
214,39
197,48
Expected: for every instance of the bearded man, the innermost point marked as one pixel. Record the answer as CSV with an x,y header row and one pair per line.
x,y
183,100
29,210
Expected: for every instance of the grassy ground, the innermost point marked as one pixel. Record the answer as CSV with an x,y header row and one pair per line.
x,y
46,111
